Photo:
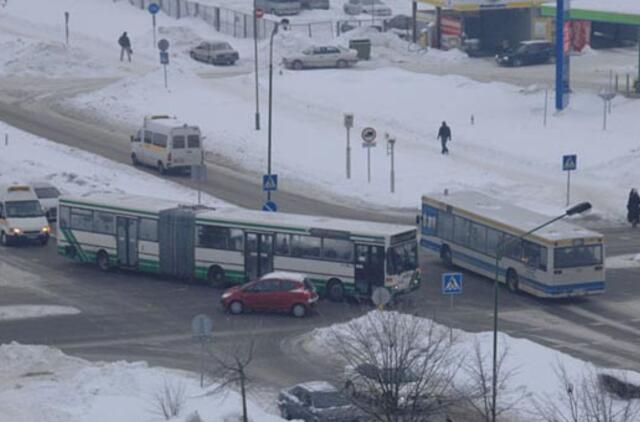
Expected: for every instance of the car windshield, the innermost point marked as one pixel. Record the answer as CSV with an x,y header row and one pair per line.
x,y
402,258
46,193
324,399
24,209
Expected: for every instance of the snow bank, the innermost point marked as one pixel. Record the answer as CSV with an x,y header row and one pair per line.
x,y
12,312
40,383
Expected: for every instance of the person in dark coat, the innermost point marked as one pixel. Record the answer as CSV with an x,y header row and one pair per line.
x,y
444,134
633,207
125,46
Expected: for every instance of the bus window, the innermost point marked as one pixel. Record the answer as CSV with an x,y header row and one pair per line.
x,y
478,237
337,250
178,142
534,255
148,136
494,239
148,230
461,230
81,219
104,223
402,258
445,225
63,218
513,247
193,141
282,244
577,256
305,246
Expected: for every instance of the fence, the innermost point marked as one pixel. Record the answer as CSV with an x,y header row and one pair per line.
x,y
240,25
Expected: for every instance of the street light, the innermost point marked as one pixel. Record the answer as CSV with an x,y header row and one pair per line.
x,y
284,23
576,209
255,57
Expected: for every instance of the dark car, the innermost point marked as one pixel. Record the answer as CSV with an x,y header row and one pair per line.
x,y
214,52
278,291
527,52
316,401
315,4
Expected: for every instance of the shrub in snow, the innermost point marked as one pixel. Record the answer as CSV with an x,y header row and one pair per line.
x,y
169,400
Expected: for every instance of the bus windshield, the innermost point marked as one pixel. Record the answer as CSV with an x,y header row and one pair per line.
x,y
24,209
403,257
577,256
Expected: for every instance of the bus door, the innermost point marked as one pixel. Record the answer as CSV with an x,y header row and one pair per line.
x,y
127,244
369,272
258,254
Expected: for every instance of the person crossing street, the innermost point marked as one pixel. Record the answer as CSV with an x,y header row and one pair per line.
x,y
444,134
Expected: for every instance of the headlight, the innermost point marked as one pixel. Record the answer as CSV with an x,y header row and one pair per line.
x,y
226,295
15,230
46,229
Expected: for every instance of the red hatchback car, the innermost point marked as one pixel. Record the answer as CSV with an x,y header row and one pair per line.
x,y
277,291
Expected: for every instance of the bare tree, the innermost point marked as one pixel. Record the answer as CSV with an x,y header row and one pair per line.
x,y
478,389
230,369
170,398
584,398
399,368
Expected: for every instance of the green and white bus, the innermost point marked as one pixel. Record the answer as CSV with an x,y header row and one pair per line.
x,y
466,228
233,245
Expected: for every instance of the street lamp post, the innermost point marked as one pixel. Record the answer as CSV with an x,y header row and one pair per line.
x,y
255,55
500,249
283,22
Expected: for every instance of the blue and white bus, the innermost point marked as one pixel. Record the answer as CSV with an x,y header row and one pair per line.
x,y
466,228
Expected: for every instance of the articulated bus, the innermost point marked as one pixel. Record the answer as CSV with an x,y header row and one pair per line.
x,y
233,245
466,228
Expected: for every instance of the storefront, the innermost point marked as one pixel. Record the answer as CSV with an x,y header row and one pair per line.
x,y
485,26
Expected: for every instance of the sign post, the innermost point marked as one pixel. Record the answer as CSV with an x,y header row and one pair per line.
x,y
569,163
201,326
257,14
270,184
451,286
153,8
348,124
607,94
391,142
163,45
369,141
199,174
563,45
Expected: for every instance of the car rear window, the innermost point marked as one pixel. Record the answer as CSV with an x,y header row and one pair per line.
x,y
45,193
178,142
193,141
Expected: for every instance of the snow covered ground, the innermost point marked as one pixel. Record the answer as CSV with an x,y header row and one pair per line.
x,y
40,383
506,152
532,368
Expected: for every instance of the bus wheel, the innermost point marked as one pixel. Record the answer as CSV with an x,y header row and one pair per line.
x,y
445,256
161,168
512,280
298,310
215,276
103,261
335,290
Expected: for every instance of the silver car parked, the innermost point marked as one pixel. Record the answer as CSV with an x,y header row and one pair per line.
x,y
371,7
321,56
214,52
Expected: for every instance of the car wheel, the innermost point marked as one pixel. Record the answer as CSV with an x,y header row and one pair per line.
x,y
236,307
134,159
215,276
297,65
298,310
342,64
517,63
103,261
513,281
4,239
445,256
161,168
335,291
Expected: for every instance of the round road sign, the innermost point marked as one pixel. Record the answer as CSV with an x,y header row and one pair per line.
x,y
163,44
369,135
153,8
259,13
201,326
380,296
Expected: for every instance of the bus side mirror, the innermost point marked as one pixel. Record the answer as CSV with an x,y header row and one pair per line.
x,y
418,219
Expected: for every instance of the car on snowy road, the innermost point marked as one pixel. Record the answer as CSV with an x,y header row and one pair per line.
x,y
48,196
321,56
315,4
316,401
215,52
527,52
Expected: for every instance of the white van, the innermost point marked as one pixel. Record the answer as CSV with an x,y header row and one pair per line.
x,y
21,216
167,143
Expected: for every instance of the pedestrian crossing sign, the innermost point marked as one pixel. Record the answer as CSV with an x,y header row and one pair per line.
x,y
270,182
569,162
452,283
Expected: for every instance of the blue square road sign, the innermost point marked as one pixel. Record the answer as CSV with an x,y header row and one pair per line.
x,y
452,283
569,162
270,182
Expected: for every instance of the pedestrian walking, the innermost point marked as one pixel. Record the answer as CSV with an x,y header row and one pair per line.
x,y
125,46
633,208
444,134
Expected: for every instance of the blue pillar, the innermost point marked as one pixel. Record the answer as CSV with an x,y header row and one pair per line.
x,y
562,59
